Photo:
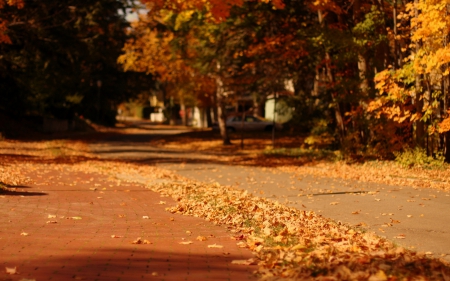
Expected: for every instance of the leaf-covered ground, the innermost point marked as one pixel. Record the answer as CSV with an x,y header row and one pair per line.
x,y
289,244
258,151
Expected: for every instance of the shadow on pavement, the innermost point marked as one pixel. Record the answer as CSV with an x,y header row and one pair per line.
x,y
6,192
138,262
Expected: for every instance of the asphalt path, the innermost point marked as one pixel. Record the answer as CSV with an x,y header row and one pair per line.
x,y
414,218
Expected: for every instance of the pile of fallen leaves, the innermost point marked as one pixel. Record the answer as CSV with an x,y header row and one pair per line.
x,y
289,243
18,157
255,153
377,171
301,245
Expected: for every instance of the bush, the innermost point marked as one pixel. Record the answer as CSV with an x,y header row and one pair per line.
x,y
418,158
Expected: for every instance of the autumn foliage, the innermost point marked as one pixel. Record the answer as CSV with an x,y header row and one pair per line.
x,y
4,38
375,72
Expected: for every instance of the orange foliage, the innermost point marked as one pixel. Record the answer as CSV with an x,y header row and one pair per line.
x,y
444,126
218,9
4,38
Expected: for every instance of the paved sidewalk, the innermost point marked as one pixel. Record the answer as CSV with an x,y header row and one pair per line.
x,y
414,218
61,226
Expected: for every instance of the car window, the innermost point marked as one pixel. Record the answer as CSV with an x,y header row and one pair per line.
x,y
249,119
237,119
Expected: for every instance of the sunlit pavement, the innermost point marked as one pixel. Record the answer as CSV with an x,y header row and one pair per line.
x,y
414,218
80,226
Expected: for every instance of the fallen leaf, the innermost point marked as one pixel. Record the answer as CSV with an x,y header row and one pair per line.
x,y
116,236
400,236
201,238
172,219
409,216
74,218
11,270
188,232
334,203
24,234
154,273
379,276
215,246
162,202
356,212
376,199
140,241
51,222
51,216
186,242
243,262
121,216
238,237
145,217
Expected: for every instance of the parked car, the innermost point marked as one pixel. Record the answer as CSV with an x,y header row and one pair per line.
x,y
251,123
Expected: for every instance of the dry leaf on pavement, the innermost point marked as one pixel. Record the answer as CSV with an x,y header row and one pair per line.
x,y
379,276
215,246
201,238
140,241
185,242
243,262
11,270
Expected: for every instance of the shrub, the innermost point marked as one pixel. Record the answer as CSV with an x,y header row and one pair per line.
x,y
418,157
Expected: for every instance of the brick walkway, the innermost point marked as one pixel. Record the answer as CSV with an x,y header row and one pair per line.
x,y
66,247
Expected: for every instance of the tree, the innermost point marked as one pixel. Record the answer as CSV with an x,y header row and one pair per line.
x,y
62,59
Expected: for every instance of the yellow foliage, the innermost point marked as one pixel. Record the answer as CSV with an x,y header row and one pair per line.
x,y
444,126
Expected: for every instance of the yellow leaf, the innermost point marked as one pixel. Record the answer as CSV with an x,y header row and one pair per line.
x,y
379,276
215,246
243,262
11,270
201,238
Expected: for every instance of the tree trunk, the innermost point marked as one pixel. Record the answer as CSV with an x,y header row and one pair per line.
x,y
445,114
183,113
337,106
420,126
209,120
221,111
330,78
362,68
396,49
